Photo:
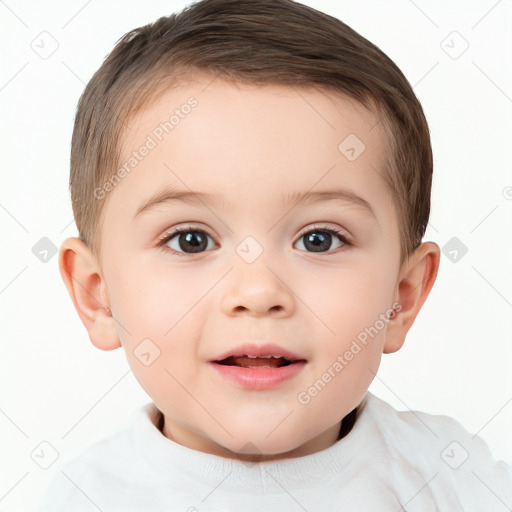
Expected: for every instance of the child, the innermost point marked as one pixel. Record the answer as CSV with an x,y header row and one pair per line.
x,y
256,131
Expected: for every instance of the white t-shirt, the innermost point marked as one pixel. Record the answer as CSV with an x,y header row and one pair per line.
x,y
390,461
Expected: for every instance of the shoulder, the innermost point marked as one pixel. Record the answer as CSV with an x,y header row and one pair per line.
x,y
444,453
99,466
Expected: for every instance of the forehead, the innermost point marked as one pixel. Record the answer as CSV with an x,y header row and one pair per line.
x,y
239,142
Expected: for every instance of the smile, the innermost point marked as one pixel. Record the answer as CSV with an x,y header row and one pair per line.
x,y
257,373
247,361
257,366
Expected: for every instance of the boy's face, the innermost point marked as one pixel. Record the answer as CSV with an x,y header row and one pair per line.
x,y
256,267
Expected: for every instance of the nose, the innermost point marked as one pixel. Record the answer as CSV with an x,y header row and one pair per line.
x,y
257,290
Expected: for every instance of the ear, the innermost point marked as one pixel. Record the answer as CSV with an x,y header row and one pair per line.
x,y
82,276
417,276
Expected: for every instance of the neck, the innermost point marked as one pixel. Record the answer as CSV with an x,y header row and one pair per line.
x,y
324,440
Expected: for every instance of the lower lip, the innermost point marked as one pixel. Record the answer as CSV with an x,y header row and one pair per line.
x,y
259,378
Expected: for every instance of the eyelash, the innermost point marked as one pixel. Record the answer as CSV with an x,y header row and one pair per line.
x,y
169,236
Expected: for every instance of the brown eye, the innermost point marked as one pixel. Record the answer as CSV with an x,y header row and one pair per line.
x,y
321,239
187,241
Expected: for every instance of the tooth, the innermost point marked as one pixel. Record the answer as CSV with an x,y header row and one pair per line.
x,y
266,356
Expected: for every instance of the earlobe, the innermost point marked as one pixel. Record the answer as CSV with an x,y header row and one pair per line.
x,y
416,279
86,286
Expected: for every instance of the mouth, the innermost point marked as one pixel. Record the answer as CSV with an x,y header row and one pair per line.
x,y
258,367
259,370
247,361
252,355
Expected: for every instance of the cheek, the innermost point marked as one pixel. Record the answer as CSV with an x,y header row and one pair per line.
x,y
158,314
348,297
348,307
150,301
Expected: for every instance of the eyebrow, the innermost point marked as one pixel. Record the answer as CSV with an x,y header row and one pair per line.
x,y
299,198
170,195
336,194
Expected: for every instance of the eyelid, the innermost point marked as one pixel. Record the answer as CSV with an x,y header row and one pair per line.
x,y
335,230
302,232
187,227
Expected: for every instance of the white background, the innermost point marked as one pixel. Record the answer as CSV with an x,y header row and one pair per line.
x,y
56,387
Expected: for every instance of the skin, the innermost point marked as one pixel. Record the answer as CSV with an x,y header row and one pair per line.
x,y
251,146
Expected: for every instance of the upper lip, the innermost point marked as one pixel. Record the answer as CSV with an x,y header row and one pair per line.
x,y
255,350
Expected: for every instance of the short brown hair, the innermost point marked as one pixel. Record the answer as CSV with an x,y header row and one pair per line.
x,y
274,42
